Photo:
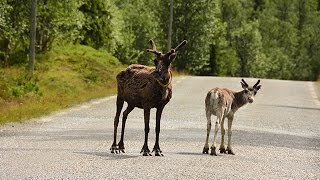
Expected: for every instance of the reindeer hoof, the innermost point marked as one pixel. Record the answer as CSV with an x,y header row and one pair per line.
x,y
157,152
146,154
114,149
223,150
213,151
205,150
230,152
121,151
145,151
121,148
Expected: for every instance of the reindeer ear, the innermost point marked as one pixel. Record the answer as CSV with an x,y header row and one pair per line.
x,y
243,85
258,87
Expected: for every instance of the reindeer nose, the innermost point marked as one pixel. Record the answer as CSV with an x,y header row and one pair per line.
x,y
250,99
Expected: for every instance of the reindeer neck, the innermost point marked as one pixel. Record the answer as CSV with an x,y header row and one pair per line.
x,y
165,79
239,100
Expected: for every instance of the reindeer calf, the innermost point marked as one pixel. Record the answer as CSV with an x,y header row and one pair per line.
x,y
224,103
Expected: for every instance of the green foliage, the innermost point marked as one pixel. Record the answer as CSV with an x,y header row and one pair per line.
x,y
196,27
13,29
102,25
222,54
57,20
140,25
20,85
66,75
259,38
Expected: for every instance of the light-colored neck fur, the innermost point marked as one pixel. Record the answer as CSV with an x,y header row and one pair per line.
x,y
238,101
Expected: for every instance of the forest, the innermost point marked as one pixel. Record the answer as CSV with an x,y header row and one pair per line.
x,y
277,39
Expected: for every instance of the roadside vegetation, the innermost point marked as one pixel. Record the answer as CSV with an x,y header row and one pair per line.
x,y
65,76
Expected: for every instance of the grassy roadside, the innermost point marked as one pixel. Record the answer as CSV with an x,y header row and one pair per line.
x,y
67,75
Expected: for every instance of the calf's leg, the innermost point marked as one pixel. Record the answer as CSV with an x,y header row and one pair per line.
x,y
206,145
229,148
223,132
216,129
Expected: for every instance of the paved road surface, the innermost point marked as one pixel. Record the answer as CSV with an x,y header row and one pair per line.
x,y
276,137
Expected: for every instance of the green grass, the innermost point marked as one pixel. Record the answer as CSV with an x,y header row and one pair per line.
x,y
65,76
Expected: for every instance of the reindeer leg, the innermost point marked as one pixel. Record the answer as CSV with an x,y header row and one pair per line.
x,y
229,149
223,132
145,149
124,118
216,129
156,147
206,145
119,103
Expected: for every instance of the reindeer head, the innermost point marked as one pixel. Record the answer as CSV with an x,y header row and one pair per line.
x,y
250,92
163,61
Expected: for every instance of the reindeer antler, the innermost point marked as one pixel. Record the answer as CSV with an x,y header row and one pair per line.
x,y
183,43
255,85
154,48
245,83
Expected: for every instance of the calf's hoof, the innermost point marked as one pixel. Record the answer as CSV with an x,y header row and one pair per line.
x,y
213,151
146,154
205,150
230,152
223,150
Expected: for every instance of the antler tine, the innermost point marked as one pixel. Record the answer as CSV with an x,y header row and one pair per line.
x,y
154,48
245,83
153,45
242,80
183,43
256,83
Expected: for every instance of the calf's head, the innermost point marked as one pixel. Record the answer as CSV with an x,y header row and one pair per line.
x,y
248,91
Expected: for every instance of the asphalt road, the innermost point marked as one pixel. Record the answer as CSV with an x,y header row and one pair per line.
x,y
276,137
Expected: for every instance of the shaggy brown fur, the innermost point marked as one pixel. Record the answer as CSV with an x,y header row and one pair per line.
x,y
145,87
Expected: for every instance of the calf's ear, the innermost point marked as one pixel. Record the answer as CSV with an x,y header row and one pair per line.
x,y
257,87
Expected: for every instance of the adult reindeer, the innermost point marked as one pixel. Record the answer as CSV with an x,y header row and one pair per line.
x,y
145,87
224,103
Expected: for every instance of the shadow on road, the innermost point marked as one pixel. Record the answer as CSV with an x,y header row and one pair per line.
x,y
109,155
294,107
252,138
260,138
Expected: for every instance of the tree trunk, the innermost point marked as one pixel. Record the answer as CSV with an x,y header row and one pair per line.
x,y
170,25
32,36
